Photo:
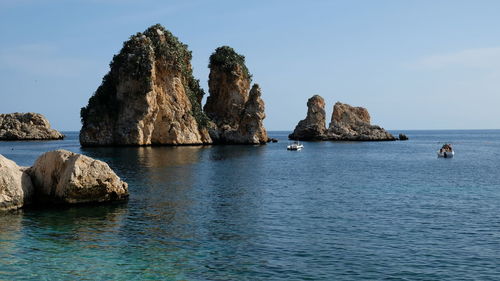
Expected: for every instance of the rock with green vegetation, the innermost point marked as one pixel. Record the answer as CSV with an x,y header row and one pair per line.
x,y
148,97
237,111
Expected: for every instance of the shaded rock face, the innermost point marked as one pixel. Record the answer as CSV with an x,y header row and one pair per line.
x,y
237,111
65,177
26,126
16,188
353,124
313,127
148,97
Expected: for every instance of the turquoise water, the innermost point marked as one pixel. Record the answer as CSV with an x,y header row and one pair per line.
x,y
333,211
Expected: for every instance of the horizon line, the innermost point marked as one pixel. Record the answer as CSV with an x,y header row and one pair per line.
x,y
281,130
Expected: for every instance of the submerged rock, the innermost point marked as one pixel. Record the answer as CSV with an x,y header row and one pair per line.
x,y
403,137
26,126
313,127
237,111
16,188
353,124
65,177
148,97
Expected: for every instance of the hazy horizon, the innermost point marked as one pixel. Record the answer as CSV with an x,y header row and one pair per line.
x,y
414,65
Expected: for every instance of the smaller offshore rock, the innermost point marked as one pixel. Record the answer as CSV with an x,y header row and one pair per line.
x,y
236,111
26,126
353,124
403,137
313,127
16,188
62,176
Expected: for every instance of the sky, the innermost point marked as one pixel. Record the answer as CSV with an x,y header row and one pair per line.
x,y
413,64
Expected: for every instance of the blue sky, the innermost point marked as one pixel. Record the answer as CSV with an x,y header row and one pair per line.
x,y
413,64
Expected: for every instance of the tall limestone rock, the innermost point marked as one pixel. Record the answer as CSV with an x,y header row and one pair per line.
x,y
148,97
313,127
237,111
353,124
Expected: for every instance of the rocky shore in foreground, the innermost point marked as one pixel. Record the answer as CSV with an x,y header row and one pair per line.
x,y
348,123
26,126
58,177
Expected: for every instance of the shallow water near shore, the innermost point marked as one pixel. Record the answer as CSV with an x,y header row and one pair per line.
x,y
333,211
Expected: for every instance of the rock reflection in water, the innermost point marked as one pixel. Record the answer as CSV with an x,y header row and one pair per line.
x,y
232,198
166,156
226,152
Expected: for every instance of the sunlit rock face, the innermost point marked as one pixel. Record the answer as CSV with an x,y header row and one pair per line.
x,y
353,123
16,189
62,176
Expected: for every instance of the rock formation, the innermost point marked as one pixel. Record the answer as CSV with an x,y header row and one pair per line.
x,y
403,137
26,126
353,124
16,189
348,123
148,97
313,127
65,177
237,111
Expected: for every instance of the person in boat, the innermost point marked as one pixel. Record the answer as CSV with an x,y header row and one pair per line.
x,y
446,148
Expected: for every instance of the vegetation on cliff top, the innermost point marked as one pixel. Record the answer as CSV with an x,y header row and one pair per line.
x,y
226,58
135,60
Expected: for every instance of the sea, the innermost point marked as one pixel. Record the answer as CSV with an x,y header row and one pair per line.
x,y
332,211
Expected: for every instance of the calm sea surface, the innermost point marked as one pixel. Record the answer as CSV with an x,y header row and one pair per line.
x,y
333,211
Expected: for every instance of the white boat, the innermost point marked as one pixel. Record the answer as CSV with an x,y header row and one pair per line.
x,y
295,146
446,151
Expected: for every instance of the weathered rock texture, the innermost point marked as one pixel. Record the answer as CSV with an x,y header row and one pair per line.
x,y
65,177
348,123
16,189
148,97
26,126
353,123
237,111
313,127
